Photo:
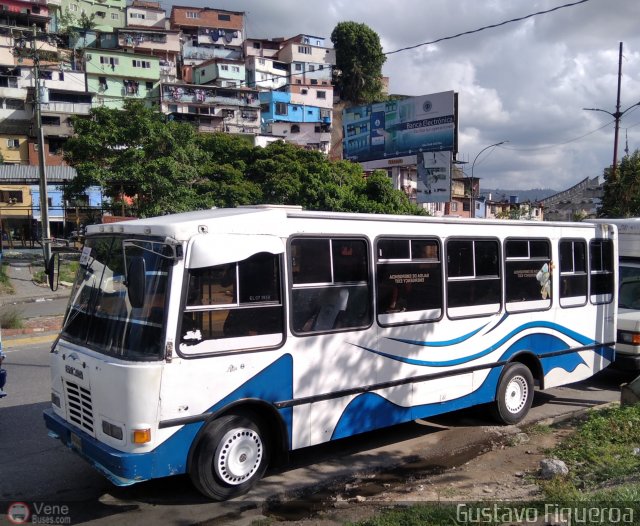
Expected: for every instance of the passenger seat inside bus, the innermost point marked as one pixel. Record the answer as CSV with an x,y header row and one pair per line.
x,y
333,302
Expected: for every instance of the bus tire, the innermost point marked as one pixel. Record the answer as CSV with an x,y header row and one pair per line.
x,y
514,395
231,456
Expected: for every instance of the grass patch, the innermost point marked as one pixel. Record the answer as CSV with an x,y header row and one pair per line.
x,y
11,319
68,271
602,448
418,515
5,283
539,429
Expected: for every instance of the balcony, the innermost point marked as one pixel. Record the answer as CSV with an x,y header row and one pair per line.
x,y
81,108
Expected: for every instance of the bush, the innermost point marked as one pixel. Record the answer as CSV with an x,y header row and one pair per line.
x,y
11,319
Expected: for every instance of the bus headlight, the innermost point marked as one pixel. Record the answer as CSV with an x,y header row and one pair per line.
x,y
55,399
112,430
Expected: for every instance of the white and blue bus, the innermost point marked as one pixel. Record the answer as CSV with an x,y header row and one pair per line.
x,y
214,342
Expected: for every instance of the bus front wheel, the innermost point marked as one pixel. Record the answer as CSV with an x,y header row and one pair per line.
x,y
514,395
230,457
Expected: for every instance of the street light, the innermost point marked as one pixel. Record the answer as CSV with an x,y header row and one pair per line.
x,y
472,208
617,115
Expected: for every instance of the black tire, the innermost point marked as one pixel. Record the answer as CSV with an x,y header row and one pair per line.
x,y
230,457
514,395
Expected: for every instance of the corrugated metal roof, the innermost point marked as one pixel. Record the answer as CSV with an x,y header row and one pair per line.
x,y
21,173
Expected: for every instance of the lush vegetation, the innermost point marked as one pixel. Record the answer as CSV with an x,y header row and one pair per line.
x,y
359,61
603,458
5,282
148,166
622,192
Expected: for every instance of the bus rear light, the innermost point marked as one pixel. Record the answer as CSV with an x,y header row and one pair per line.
x,y
141,436
632,338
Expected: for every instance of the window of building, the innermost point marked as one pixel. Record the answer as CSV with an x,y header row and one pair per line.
x,y
473,277
49,120
601,270
239,304
14,104
235,69
224,18
330,284
295,128
13,143
321,94
304,91
224,67
314,81
573,272
298,67
311,67
73,8
136,15
262,61
228,114
115,16
256,45
144,64
306,50
409,278
281,108
192,14
102,83
149,85
11,196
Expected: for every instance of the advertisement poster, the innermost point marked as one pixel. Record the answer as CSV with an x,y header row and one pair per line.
x,y
396,128
434,177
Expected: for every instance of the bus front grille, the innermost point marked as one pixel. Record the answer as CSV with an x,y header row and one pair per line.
x,y
80,407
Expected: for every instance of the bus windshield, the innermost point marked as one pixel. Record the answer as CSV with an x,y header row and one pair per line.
x,y
100,314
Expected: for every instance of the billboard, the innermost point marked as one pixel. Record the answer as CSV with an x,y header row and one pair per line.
x,y
396,128
434,177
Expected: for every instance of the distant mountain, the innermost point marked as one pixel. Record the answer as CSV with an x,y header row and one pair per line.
x,y
537,194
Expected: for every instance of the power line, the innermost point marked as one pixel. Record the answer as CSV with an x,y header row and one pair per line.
x,y
492,26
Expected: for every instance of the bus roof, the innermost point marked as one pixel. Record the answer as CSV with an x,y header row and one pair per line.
x,y
274,219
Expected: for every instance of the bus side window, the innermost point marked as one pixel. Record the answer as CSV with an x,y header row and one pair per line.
x,y
331,289
234,300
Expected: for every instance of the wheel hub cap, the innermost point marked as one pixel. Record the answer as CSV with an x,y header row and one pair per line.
x,y
516,394
238,456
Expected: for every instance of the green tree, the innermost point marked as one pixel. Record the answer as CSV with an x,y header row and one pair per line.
x,y
359,60
135,156
148,167
622,194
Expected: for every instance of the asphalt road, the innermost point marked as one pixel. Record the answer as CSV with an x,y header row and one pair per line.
x,y
37,469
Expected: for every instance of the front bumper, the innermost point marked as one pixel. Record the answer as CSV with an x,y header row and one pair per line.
x,y
120,467
627,362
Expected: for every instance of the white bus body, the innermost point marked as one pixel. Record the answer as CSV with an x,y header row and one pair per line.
x,y
268,329
628,319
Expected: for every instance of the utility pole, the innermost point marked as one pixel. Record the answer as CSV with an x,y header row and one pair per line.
x,y
617,116
34,55
44,199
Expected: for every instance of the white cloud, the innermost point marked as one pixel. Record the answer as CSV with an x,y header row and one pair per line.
x,y
526,82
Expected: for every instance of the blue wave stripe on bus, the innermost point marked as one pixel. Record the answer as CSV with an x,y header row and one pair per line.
x,y
371,411
447,363
443,343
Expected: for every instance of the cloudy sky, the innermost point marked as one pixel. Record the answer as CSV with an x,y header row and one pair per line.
x,y
525,82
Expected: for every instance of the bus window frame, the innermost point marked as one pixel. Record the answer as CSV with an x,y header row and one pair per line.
x,y
602,299
578,300
529,305
475,310
392,319
330,285
232,344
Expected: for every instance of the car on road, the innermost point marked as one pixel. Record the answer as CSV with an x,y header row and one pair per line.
x,y
3,374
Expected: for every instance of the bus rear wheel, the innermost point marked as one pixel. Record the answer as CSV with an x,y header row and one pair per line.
x,y
230,457
515,394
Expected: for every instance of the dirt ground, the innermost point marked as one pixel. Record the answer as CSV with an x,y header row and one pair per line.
x,y
504,472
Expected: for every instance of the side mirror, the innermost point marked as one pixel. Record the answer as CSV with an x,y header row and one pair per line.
x,y
136,281
53,270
